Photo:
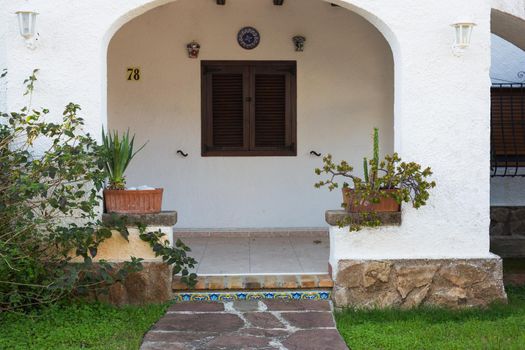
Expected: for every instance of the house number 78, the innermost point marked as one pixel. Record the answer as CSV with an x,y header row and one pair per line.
x,y
133,74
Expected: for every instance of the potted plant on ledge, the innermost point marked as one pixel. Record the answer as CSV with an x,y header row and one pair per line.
x,y
117,153
385,185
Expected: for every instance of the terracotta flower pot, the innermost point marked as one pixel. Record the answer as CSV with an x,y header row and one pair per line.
x,y
386,204
133,201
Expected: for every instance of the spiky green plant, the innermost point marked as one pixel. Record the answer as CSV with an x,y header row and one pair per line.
x,y
376,145
365,169
118,153
375,159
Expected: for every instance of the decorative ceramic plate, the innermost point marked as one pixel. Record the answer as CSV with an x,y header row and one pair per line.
x,y
248,38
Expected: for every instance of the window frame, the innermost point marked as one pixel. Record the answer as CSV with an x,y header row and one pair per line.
x,y
250,68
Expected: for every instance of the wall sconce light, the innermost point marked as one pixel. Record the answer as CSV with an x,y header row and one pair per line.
x,y
463,32
278,2
298,41
193,49
27,27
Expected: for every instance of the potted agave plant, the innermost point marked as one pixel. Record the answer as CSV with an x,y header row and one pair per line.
x,y
386,184
117,152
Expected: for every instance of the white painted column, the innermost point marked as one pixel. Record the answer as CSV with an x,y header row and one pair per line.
x,y
442,120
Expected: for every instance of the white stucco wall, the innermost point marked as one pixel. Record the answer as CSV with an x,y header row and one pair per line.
x,y
379,243
441,101
345,89
3,55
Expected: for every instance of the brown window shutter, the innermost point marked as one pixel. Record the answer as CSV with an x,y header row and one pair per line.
x,y
270,111
227,110
508,126
225,125
248,108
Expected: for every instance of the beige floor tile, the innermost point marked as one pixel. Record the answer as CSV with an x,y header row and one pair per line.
x,y
312,252
198,247
225,256
273,255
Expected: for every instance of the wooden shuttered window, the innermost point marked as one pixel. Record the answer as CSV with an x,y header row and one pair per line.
x,y
508,127
248,108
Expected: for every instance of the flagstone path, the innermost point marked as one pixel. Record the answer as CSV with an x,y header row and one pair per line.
x,y
262,324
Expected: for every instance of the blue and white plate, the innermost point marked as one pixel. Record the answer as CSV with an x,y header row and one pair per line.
x,y
248,38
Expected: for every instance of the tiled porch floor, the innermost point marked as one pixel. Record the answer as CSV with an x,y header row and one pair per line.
x,y
259,254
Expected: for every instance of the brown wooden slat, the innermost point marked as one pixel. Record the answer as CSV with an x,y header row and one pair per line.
x,y
508,123
270,110
227,110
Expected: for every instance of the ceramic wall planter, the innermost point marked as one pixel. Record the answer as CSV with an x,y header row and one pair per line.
x,y
387,204
133,201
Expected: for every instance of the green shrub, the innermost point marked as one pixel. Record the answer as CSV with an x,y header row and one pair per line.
x,y
51,176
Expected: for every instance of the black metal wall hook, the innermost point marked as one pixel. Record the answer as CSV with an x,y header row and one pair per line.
x,y
181,152
314,153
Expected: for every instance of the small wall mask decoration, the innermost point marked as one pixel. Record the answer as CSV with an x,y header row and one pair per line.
x,y
298,41
193,49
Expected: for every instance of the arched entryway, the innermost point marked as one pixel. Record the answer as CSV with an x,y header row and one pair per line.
x,y
345,88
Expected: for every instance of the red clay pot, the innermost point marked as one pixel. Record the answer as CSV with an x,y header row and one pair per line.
x,y
133,202
387,204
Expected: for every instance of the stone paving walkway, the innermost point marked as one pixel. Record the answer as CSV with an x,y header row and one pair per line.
x,y
263,324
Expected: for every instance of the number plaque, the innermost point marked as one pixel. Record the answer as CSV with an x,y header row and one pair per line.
x,y
133,74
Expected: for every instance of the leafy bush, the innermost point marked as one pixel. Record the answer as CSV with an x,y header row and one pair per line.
x,y
51,174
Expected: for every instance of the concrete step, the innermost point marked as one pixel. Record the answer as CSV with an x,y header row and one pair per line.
x,y
256,282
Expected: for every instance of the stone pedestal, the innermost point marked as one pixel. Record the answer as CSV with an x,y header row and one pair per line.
x,y
117,249
384,267
153,283
410,283
507,231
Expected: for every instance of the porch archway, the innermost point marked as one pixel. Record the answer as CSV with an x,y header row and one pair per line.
x,y
132,9
361,58
509,26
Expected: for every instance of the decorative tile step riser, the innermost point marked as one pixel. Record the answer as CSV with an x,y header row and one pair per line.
x,y
256,282
249,295
251,233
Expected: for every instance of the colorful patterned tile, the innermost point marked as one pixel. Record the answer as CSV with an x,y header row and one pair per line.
x,y
232,296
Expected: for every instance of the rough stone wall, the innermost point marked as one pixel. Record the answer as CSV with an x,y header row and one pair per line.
x,y
411,283
507,221
152,285
507,231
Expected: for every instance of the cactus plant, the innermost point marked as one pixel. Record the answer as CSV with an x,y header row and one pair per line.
x,y
402,181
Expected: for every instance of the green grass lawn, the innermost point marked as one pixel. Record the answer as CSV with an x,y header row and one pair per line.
x,y
499,327
81,326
